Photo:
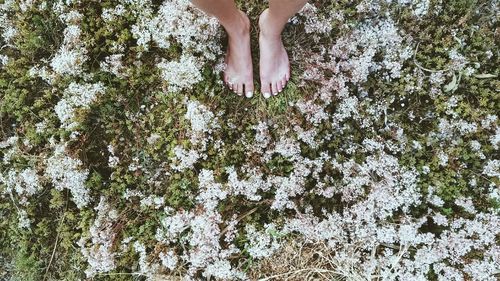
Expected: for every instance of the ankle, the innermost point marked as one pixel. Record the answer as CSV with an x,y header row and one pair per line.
x,y
239,26
268,27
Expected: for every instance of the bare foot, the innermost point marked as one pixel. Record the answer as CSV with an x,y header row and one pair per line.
x,y
238,74
274,64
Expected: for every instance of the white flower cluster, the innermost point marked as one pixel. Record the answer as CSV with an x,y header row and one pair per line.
x,y
262,137
314,22
113,160
184,158
307,136
183,22
145,267
492,168
24,221
43,72
177,21
373,37
3,60
8,153
449,130
72,54
113,64
495,138
65,172
155,201
25,183
246,187
182,74
202,233
76,96
373,46
419,8
203,122
7,28
169,259
210,191
99,255
262,243
458,61
355,238
110,14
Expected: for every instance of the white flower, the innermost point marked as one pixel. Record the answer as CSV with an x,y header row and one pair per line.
x,y
495,139
262,243
77,96
458,61
145,267
169,259
24,221
492,168
113,64
222,269
66,172
182,74
443,158
466,203
25,184
186,158
210,192
421,7
113,160
69,61
99,255
488,121
202,121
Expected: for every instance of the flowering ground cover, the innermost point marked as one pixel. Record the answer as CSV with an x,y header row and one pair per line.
x,y
124,157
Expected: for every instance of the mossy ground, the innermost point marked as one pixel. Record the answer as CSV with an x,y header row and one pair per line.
x,y
47,251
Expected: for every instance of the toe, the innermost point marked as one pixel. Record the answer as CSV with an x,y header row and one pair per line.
x,y
266,89
235,88
249,88
239,91
280,87
274,87
283,83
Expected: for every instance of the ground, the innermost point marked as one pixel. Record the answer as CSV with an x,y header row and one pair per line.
x,y
124,156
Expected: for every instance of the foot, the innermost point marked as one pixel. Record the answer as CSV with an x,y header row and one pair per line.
x,y
274,64
238,74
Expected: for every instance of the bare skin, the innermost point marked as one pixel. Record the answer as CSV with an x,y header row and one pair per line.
x,y
274,63
238,74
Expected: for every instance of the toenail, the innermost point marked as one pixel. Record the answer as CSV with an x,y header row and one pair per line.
x,y
249,94
267,95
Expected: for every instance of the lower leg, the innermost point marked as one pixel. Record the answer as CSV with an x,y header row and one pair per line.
x,y
225,11
238,73
280,11
274,63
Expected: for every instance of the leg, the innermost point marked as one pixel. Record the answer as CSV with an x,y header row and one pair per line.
x,y
238,74
274,64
